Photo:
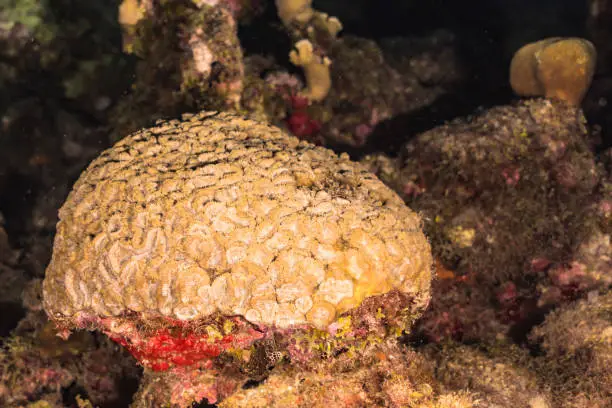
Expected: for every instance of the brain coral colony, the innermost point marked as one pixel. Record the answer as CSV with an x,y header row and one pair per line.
x,y
215,247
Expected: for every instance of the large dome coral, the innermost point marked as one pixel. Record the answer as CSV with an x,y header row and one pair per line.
x,y
193,238
232,216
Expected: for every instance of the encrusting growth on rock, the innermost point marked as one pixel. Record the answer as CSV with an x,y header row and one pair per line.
x,y
195,239
385,375
576,341
559,68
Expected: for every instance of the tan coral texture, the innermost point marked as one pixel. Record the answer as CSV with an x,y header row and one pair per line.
x,y
222,214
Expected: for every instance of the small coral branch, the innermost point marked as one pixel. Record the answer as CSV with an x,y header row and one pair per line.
x,y
313,30
316,70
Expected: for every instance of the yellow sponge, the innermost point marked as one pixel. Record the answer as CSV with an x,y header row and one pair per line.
x,y
558,68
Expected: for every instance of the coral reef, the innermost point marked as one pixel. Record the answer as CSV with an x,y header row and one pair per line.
x,y
197,239
158,282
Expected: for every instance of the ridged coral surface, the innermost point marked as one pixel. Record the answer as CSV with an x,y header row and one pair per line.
x,y
222,214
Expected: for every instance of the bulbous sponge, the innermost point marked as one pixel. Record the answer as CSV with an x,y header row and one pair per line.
x,y
558,68
219,214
